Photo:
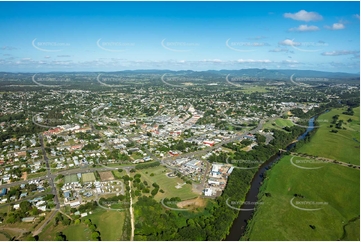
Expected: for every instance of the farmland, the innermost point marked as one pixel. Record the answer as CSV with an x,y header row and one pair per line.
x,y
333,191
343,145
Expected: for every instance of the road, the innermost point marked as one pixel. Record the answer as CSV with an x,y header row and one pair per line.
x,y
328,160
50,178
45,222
131,209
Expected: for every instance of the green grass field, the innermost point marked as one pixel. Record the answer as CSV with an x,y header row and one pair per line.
x,y
283,122
335,189
340,146
351,229
76,232
278,124
109,223
167,184
70,178
4,237
88,177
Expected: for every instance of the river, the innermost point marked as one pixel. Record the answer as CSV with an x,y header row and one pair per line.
x,y
246,212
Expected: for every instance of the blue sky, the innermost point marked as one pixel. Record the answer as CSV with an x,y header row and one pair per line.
x,y
114,36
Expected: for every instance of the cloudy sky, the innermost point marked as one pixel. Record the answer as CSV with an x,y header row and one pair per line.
x,y
111,36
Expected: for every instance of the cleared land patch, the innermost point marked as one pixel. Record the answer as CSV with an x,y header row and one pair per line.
x,y
106,176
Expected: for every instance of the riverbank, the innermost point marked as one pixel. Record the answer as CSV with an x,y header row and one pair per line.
x,y
307,199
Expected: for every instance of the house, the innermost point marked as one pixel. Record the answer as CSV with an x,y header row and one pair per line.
x,y
74,204
3,192
28,219
210,182
209,143
24,194
42,208
208,192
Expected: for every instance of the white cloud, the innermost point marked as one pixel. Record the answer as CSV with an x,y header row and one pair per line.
x,y
288,42
356,16
304,28
8,48
212,60
336,26
304,16
257,38
290,62
279,50
253,61
341,52
47,57
63,56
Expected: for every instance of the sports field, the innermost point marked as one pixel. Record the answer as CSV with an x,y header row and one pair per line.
x,y
70,178
333,191
88,177
343,145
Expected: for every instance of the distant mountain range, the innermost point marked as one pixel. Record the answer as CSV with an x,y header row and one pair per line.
x,y
269,75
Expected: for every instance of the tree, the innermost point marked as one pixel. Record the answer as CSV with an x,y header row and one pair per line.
x,y
92,227
88,222
95,235
60,236
25,206
66,221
